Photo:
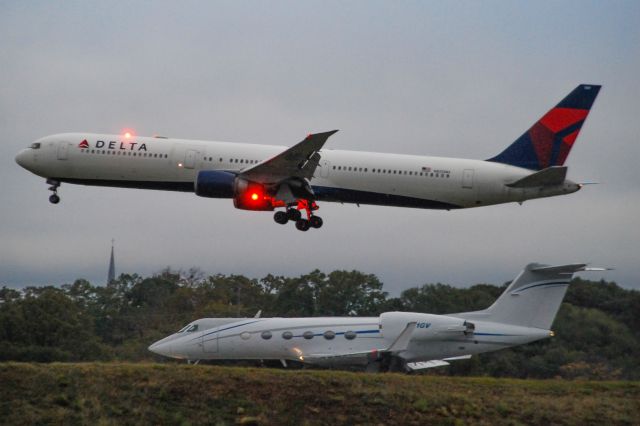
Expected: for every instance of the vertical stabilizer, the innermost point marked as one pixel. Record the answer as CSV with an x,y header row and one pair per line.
x,y
532,299
548,142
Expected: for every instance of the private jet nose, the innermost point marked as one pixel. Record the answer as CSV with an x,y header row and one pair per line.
x,y
162,348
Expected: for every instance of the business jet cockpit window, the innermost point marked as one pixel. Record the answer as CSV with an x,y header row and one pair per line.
x,y
35,145
189,328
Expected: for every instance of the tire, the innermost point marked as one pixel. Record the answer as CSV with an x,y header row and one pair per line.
x,y
54,199
294,215
281,217
302,224
315,222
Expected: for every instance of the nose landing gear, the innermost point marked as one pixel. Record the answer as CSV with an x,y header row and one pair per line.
x,y
54,198
294,214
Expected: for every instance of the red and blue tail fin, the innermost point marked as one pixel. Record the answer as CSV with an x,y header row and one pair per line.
x,y
548,142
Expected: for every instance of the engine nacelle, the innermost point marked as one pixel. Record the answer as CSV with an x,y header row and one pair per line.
x,y
428,326
249,195
246,195
215,184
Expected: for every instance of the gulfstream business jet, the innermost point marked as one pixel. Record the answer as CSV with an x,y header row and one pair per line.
x,y
396,341
293,180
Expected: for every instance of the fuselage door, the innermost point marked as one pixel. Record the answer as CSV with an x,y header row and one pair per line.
x,y
63,151
467,178
324,168
210,342
190,159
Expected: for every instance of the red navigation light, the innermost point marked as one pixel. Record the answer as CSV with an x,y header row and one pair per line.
x,y
255,196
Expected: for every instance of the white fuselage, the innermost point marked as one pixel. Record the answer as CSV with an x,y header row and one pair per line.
x,y
342,176
339,340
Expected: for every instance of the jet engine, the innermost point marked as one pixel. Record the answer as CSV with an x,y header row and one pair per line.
x,y
246,195
249,195
428,326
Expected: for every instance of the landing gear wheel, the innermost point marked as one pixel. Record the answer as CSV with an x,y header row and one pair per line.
x,y
315,222
54,198
302,224
281,217
294,215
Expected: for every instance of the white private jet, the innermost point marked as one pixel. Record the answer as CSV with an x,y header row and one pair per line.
x,y
396,341
264,178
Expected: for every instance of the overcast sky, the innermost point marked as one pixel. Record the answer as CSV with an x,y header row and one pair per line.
x,y
458,79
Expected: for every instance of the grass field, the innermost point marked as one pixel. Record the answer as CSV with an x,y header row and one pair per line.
x,y
114,393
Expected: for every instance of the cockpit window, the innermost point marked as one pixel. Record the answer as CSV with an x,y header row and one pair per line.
x,y
193,328
35,145
183,329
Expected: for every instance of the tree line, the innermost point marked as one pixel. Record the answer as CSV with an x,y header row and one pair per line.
x,y
596,333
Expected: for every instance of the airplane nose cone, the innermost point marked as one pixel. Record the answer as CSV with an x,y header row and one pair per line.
x,y
161,348
22,158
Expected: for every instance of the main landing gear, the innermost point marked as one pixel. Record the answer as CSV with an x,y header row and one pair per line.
x,y
54,198
294,214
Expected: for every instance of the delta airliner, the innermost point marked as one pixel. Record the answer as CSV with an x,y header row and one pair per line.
x,y
293,180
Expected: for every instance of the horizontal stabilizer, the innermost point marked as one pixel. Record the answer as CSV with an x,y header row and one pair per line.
x,y
560,269
550,176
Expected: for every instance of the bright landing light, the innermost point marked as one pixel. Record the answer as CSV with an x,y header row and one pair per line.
x,y
254,196
128,133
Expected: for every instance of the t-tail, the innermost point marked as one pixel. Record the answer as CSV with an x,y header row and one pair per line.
x,y
533,298
548,142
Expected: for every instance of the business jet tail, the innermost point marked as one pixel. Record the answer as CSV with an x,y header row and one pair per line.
x,y
533,298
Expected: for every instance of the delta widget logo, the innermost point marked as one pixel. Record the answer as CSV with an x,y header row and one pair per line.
x,y
84,144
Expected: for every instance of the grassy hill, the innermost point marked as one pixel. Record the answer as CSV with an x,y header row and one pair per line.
x,y
113,393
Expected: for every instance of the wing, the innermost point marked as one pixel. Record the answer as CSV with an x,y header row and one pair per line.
x,y
299,161
399,345
420,365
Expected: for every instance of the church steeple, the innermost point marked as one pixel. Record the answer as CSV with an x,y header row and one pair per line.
x,y
112,266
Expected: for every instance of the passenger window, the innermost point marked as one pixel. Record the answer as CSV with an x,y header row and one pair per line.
x,y
266,335
245,335
287,335
308,335
350,335
329,335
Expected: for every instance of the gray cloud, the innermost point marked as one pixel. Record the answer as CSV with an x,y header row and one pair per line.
x,y
458,80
